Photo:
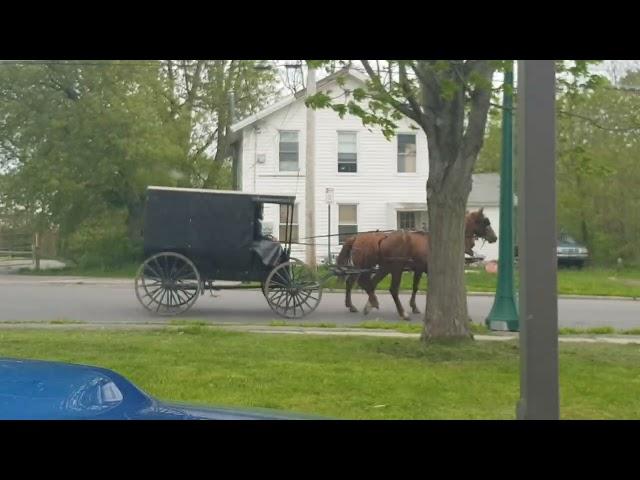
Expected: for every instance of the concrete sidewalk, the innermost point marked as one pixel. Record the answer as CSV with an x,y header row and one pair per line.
x,y
294,330
13,265
61,280
70,280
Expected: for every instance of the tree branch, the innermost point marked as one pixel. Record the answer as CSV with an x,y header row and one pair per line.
x,y
207,144
596,124
592,121
479,109
406,88
402,108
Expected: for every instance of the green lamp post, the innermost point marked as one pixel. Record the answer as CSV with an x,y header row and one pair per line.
x,y
504,313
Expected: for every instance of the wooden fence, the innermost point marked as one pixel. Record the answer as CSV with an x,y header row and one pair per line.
x,y
19,246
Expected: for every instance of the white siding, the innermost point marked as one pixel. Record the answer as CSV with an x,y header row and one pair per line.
x,y
266,177
377,187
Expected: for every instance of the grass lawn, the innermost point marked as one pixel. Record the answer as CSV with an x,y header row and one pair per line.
x,y
588,281
341,377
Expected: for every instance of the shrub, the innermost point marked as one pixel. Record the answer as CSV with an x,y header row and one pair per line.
x,y
103,242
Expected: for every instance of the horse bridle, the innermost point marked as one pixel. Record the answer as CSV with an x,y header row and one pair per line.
x,y
475,236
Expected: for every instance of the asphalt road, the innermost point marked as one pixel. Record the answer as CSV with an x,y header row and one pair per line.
x,y
28,299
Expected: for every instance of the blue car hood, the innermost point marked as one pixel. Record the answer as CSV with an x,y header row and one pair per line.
x,y
41,390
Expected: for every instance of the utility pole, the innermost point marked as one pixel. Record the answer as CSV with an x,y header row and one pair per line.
x,y
310,175
539,383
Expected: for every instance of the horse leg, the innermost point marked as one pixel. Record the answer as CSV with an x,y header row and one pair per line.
x,y
364,281
373,282
416,281
351,279
396,277
378,277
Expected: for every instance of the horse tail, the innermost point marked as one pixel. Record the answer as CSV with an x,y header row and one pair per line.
x,y
344,256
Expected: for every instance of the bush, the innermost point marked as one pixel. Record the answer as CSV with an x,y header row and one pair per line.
x,y
103,242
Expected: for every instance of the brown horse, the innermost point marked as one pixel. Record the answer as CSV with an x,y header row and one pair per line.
x,y
476,226
361,251
398,251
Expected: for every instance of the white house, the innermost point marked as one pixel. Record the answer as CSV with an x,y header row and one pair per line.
x,y
377,183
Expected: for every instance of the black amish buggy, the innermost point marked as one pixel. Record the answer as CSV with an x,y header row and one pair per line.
x,y
193,237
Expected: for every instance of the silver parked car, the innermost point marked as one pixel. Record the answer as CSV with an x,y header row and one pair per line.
x,y
571,252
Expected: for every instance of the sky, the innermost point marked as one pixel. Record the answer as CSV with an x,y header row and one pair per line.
x,y
616,69
612,69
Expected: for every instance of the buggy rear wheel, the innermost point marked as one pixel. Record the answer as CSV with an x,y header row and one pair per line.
x,y
293,289
167,284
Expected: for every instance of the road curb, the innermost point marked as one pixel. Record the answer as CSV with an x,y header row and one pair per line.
x,y
293,330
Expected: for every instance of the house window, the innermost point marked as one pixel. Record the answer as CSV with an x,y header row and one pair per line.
x,y
415,220
283,223
347,152
406,153
347,221
289,148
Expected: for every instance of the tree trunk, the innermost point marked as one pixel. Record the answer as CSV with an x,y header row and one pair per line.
x,y
446,313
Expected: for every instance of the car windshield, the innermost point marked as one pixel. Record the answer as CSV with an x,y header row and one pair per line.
x,y
566,239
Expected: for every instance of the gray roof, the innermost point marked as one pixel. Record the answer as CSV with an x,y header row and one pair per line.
x,y
485,191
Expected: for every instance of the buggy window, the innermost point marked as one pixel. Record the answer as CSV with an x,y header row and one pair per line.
x,y
283,224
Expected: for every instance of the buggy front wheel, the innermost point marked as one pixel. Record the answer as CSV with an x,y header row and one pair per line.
x,y
293,289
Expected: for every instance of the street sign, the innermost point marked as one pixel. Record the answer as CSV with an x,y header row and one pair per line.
x,y
329,195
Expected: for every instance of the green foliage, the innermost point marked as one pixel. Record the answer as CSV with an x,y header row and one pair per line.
x,y
71,154
490,155
597,171
81,140
587,331
102,241
200,110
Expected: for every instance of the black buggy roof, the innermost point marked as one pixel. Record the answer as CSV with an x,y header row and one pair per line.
x,y
254,197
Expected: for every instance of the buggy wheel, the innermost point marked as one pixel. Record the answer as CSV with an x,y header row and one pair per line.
x,y
292,289
168,284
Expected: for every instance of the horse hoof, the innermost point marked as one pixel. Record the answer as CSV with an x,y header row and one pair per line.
x,y
404,316
353,309
416,311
